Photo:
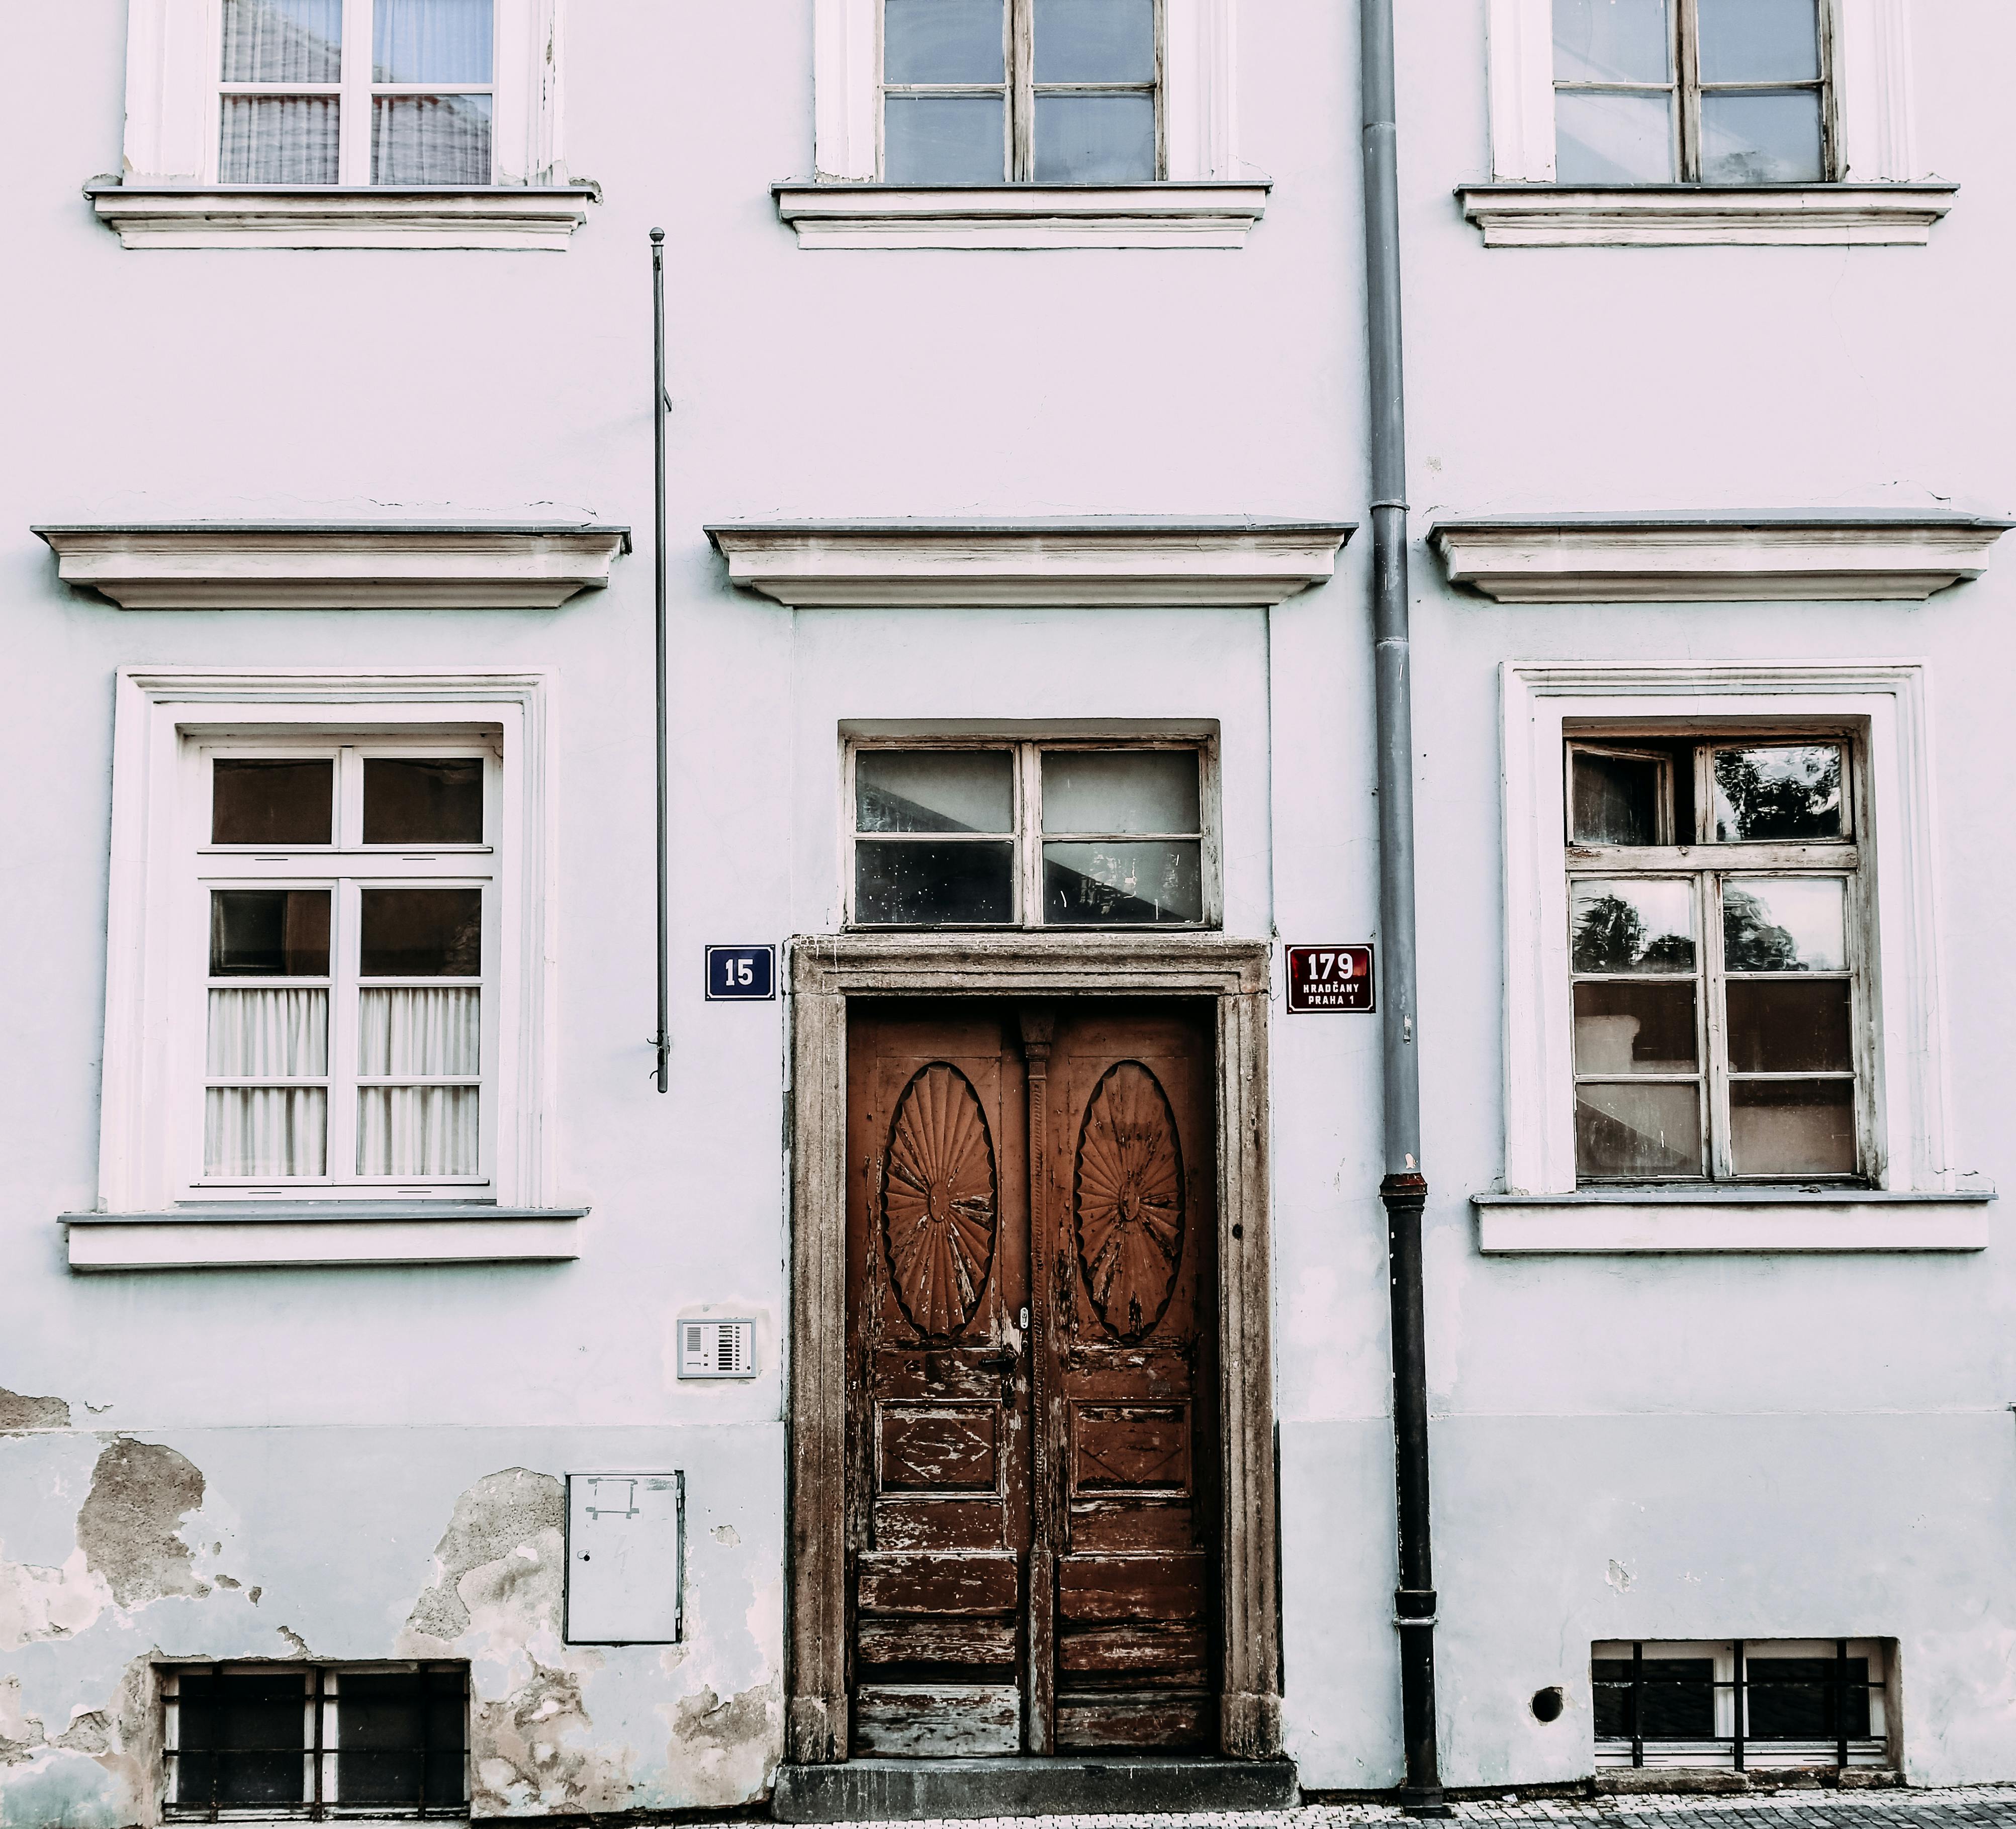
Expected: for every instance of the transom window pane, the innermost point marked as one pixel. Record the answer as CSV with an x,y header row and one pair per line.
x,y
410,801
272,803
1784,791
1619,798
926,790
1121,791
934,885
1117,881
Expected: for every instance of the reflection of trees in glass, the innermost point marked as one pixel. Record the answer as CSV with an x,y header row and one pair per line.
x,y
1750,941
1798,797
1610,936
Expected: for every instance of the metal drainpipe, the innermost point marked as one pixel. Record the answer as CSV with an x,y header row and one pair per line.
x,y
662,1040
1404,1189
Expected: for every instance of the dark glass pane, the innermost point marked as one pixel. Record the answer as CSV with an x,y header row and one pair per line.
x,y
1627,923
926,885
1646,1028
1648,1131
943,41
934,790
269,933
1121,791
1792,1127
422,933
242,1738
1094,40
410,802
1783,793
1788,1025
1614,799
1141,880
272,803
944,139
1801,1698
1678,1696
1611,1678
400,1734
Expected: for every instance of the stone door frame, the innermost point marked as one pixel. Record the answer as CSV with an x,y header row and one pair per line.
x,y
825,971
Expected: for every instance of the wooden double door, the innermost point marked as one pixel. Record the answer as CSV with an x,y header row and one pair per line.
x,y
1032,1434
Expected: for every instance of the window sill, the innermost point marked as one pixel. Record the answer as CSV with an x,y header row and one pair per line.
x,y
1651,1220
1558,216
505,217
1202,214
246,1235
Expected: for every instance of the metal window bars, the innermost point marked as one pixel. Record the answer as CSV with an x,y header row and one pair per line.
x,y
212,1778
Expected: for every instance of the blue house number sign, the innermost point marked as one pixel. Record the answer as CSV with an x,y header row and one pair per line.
x,y
740,974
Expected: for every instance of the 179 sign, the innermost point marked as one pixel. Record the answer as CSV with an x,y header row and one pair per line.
x,y
1330,978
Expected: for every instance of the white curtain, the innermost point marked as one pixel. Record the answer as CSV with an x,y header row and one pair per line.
x,y
283,41
430,139
263,1131
419,1130
279,139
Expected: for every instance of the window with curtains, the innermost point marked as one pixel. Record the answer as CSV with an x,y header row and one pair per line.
x,y
356,91
348,948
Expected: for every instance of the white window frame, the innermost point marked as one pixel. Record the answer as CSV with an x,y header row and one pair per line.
x,y
151,1123
1919,1199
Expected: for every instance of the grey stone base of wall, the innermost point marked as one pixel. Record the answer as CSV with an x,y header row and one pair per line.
x,y
868,1791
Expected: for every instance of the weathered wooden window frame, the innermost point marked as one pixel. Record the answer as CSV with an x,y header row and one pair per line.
x,y
825,971
1704,864
1029,835
1019,90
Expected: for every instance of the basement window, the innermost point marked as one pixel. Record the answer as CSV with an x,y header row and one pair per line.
x,y
259,1741
1743,1706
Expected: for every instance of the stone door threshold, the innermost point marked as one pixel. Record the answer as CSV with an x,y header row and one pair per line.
x,y
867,1790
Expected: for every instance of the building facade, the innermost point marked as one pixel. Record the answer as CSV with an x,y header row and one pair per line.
x,y
971,1334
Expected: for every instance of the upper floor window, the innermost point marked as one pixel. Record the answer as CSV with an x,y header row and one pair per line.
x,y
1697,92
1047,91
356,91
1030,835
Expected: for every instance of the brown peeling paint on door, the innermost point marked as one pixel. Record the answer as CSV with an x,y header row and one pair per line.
x,y
1029,1256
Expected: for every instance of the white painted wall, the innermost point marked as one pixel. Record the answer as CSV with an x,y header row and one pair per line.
x,y
1760,1447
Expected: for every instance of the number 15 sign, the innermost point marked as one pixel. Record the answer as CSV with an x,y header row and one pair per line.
x,y
1330,978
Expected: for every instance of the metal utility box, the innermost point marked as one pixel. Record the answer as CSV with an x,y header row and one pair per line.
x,y
625,1559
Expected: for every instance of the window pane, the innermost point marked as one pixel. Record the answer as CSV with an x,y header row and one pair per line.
x,y
1783,793
278,139
1095,139
1121,791
272,803
1792,1025
1761,139
430,40
418,1130
384,1720
1792,1127
1646,1028
943,41
926,885
1783,924
1758,40
934,790
408,801
268,1034
283,41
1612,41
1679,1694
1803,1698
943,139
430,139
242,1738
1141,880
421,1031
422,933
1627,925
1651,1129
1094,40
266,1131
269,933
1613,139
1615,799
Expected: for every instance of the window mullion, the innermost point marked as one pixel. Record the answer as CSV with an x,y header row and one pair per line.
x,y
1029,834
1716,1018
353,153
343,1017
1162,91
1021,90
1687,69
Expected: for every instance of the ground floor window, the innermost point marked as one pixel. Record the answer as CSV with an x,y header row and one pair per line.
x,y
263,1739
1734,1705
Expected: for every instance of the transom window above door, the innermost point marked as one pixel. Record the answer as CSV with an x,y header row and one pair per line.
x,y
356,91
1047,91
1694,91
1001,834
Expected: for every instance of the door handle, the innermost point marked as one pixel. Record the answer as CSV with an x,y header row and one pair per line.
x,y
1000,1362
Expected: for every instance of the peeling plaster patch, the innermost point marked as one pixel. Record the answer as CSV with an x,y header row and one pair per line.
x,y
253,1594
140,1493
53,1782
41,1602
60,1788
296,1644
720,1753
19,1734
19,1414
1618,1575
727,1533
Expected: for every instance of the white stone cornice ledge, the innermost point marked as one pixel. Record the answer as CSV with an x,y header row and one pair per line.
x,y
1822,555
1730,1218
1682,215
1103,561
503,218
337,565
251,1235
1203,214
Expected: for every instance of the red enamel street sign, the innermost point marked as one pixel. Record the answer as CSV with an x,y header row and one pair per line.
x,y
1330,978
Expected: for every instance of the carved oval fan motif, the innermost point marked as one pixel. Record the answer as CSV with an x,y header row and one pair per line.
x,y
939,1201
1128,1194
